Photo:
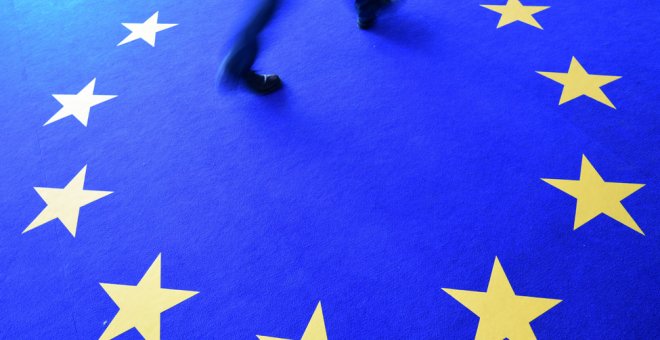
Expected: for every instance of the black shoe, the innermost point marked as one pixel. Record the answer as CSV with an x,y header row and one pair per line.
x,y
262,83
366,23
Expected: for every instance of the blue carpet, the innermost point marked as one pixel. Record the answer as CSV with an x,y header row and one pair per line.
x,y
393,164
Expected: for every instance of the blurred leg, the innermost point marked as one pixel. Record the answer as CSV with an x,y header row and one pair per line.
x,y
368,11
240,59
238,63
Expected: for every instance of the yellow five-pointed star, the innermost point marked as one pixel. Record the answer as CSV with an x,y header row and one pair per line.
x,y
502,313
577,82
315,328
64,204
595,196
140,306
515,11
79,105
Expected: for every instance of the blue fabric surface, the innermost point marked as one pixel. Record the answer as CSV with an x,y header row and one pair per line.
x,y
394,163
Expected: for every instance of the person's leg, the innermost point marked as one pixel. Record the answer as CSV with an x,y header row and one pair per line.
x,y
238,63
368,11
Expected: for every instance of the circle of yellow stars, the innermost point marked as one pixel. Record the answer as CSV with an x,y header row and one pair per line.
x,y
502,313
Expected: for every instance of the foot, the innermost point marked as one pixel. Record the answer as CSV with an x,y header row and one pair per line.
x,y
262,83
366,23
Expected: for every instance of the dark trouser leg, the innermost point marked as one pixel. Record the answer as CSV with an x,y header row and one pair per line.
x,y
367,9
240,59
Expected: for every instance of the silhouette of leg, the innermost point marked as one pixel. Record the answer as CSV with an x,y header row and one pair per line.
x,y
368,11
238,63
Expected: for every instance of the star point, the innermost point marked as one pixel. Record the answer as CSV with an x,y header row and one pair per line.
x,y
79,105
502,313
145,31
64,204
315,328
140,306
577,83
514,11
595,196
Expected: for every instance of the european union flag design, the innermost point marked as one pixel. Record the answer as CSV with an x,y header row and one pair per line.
x,y
464,169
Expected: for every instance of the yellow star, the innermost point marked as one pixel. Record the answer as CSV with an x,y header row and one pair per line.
x,y
515,11
577,82
315,328
64,204
595,196
140,306
502,313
